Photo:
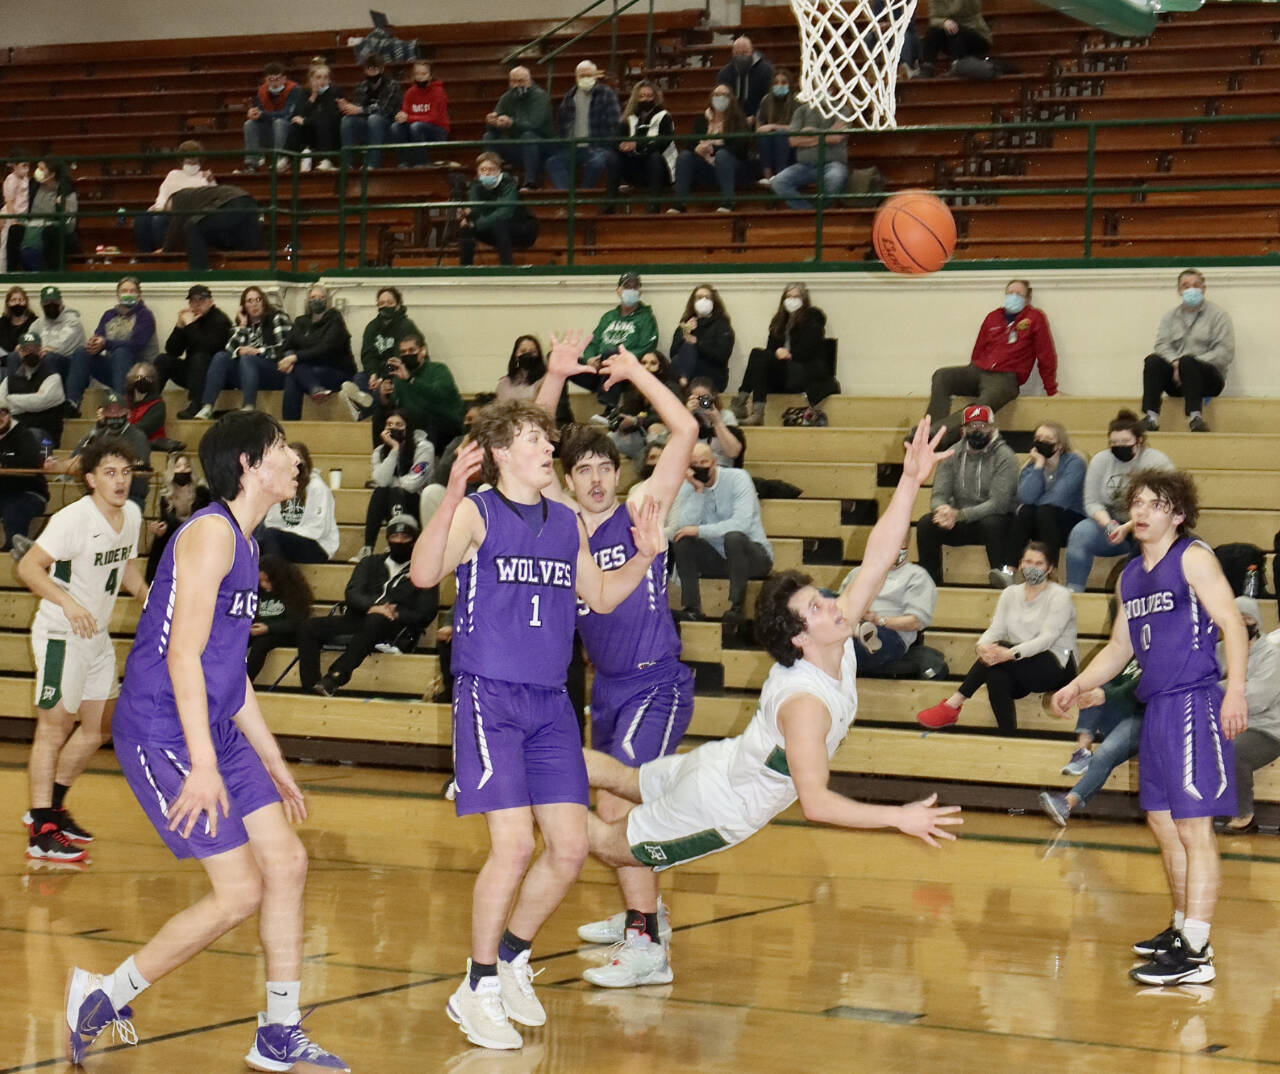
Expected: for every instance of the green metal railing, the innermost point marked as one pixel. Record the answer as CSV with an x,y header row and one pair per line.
x,y
611,17
287,213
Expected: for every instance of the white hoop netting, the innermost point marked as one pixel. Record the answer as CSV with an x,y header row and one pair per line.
x,y
851,50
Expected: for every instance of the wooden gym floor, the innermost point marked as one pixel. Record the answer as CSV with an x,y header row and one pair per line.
x,y
806,950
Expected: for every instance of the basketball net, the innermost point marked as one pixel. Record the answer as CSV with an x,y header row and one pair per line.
x,y
851,51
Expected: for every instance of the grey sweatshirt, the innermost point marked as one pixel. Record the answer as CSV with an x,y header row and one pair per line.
x,y
1205,334
1107,479
977,483
1262,687
1029,627
907,590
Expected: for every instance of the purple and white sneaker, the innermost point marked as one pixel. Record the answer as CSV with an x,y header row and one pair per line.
x,y
89,1013
281,1047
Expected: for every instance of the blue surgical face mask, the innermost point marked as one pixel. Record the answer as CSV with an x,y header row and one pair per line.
x,y
1192,297
1014,304
630,296
490,181
781,91
720,102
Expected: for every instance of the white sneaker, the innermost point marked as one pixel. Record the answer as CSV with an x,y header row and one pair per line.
x,y
480,1015
365,550
610,930
516,980
636,961
351,391
325,165
306,160
205,413
869,636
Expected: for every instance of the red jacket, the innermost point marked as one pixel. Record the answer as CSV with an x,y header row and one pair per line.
x,y
429,105
1014,347
276,102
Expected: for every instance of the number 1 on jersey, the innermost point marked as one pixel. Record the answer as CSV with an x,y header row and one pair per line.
x,y
536,599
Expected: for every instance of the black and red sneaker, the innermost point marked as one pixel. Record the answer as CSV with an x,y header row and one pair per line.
x,y
66,823
51,844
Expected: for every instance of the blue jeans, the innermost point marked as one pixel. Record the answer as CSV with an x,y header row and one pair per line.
x,y
369,130
1087,540
269,131
108,367
1120,744
891,649
17,511
149,230
417,132
693,170
774,148
523,153
248,373
596,162
787,183
307,380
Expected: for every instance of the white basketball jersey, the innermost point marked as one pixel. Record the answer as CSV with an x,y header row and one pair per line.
x,y
89,558
758,775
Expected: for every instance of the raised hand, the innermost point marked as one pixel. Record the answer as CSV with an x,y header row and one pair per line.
x,y
565,352
922,452
466,465
646,526
924,820
621,366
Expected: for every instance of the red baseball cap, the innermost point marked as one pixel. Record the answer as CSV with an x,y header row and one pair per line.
x,y
978,412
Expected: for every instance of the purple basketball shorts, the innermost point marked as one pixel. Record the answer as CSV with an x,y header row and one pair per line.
x,y
1186,765
643,716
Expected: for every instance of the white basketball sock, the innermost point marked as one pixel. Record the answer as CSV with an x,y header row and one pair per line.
x,y
1196,932
1179,919
125,984
282,1002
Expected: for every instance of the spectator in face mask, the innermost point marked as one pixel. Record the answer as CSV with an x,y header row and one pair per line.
x,y
18,318
1108,529
773,126
146,404
251,358
32,392
1195,344
901,610
499,219
23,497
423,389
520,124
126,335
423,115
525,369
384,610
399,468
747,74
47,240
1011,341
303,529
433,494
378,345
368,117
703,340
181,498
629,324
714,161
1259,745
149,228
647,153
315,126
317,354
267,122
973,496
589,109
629,422
60,330
795,358
715,426
113,420
199,332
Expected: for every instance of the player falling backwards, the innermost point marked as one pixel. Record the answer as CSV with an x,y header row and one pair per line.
x,y
522,560
641,695
721,793
197,754
1173,600
77,566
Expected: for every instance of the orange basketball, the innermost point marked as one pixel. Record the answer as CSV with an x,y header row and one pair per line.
x,y
914,233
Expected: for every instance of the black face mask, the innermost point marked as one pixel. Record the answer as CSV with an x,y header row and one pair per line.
x,y
18,311
142,387
181,480
399,551
1253,630
977,441
315,305
420,85
51,310
646,471
117,424
1043,447
1123,452
409,361
32,359
397,435
701,474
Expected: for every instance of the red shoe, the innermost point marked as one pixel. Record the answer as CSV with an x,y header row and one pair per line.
x,y
941,715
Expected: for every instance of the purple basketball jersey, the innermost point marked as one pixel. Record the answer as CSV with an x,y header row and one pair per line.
x,y
639,633
516,604
1173,636
146,710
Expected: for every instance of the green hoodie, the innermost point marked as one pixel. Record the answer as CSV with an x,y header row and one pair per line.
x,y
382,341
637,331
530,113
429,395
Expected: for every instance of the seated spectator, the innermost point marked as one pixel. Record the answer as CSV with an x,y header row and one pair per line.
x,y
60,329
50,232
284,604
796,358
147,410
629,324
314,128
401,465
1259,744
1030,647
32,392
901,610
269,118
821,157
221,217
1195,344
1113,714
631,419
126,335
525,369
647,153
303,529
499,220
16,202
251,358
151,227
423,389
379,344
200,331
17,319
23,497
384,610
423,115
182,497
714,161
520,125
703,341
716,427
1011,340
433,494
773,126
317,354
1050,497
974,492
748,75
1108,530
715,531
113,420
957,28
368,118
590,109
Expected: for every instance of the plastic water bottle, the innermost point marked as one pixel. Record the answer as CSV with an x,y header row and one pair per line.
x,y
46,448
1251,581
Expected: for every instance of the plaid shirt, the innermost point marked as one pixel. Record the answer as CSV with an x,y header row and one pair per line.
x,y
603,116
270,334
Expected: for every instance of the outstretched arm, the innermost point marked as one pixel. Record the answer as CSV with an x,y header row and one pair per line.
x,y
455,530
804,722
890,532
562,363
602,591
